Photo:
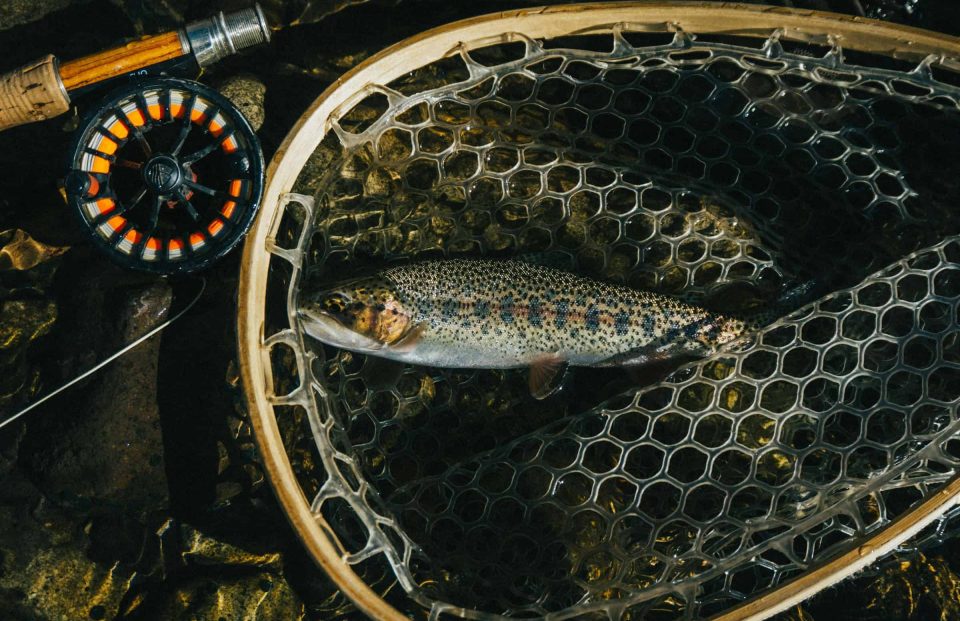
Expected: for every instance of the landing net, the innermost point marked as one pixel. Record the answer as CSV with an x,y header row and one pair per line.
x,y
720,169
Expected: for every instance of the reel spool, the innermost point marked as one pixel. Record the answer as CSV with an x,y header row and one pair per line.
x,y
165,175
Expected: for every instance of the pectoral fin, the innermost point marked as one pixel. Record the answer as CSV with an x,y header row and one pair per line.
x,y
546,375
411,338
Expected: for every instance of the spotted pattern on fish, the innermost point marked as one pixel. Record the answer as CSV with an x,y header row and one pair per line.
x,y
560,319
481,309
449,309
496,314
621,322
649,322
593,318
535,313
507,310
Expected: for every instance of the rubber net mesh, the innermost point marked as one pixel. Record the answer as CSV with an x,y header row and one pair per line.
x,y
718,170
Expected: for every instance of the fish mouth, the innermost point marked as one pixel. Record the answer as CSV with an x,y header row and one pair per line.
x,y
327,329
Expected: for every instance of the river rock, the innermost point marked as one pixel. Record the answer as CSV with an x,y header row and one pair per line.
x,y
258,596
110,448
247,92
45,572
17,12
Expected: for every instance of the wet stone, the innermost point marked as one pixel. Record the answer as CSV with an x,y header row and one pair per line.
x,y
114,449
27,312
260,596
18,12
45,571
916,587
247,92
202,549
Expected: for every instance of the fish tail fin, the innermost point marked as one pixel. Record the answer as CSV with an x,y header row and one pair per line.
x,y
786,303
800,295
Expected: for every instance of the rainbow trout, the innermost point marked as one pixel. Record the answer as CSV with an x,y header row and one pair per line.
x,y
504,314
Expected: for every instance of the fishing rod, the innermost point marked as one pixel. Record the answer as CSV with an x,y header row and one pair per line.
x,y
41,89
164,174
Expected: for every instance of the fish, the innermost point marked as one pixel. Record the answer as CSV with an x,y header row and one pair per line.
x,y
502,314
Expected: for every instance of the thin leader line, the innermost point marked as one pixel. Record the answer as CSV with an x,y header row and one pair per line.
x,y
111,358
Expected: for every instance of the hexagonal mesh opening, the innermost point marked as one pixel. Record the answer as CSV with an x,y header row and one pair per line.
x,y
721,173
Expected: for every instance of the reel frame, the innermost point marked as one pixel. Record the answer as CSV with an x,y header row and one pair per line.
x,y
157,228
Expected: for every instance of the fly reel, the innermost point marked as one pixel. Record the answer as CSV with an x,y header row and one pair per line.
x,y
165,175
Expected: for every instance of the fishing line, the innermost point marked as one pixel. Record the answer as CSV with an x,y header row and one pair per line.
x,y
112,357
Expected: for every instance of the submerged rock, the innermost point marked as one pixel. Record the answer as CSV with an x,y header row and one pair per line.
x,y
911,588
151,17
17,12
247,92
20,252
255,597
202,549
45,572
113,451
22,322
27,313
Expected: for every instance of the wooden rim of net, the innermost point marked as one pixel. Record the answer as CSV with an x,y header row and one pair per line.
x,y
820,28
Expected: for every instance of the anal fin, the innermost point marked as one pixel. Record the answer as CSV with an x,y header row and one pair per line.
x,y
546,375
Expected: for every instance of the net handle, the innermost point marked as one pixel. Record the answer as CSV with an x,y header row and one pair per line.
x,y
821,28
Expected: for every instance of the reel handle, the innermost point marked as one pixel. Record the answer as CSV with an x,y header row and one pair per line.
x,y
40,90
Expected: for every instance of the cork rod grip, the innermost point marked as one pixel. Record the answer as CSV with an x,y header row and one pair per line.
x,y
32,93
124,59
